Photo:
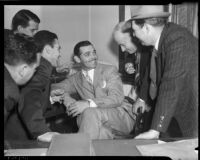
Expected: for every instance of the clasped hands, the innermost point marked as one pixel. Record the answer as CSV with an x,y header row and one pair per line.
x,y
57,95
151,134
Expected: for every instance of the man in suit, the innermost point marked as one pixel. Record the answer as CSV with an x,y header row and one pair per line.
x,y
123,36
100,111
35,100
173,72
20,61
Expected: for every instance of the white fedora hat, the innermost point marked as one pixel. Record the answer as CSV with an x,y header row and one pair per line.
x,y
148,11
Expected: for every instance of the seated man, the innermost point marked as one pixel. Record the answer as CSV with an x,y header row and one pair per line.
x,y
100,112
35,99
20,61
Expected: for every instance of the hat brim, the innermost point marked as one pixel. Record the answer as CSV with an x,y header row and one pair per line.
x,y
153,15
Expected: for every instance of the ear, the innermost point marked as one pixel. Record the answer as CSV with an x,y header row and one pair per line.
x,y
48,48
19,28
77,59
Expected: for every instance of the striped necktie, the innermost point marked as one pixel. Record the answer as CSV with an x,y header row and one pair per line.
x,y
88,78
153,86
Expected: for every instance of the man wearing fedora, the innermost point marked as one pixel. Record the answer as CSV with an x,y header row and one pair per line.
x,y
173,72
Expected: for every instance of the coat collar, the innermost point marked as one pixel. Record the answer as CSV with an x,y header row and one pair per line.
x,y
162,37
97,77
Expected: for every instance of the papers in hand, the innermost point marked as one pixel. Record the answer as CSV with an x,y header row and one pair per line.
x,y
47,137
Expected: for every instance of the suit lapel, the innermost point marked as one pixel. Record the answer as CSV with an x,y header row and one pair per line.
x,y
82,83
160,54
97,76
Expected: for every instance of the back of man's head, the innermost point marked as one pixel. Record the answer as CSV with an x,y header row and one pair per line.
x,y
43,38
22,18
18,50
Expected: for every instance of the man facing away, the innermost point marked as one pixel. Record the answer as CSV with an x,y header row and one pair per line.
x,y
21,59
100,111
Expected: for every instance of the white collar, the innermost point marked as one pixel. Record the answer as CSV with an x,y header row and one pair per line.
x,y
90,73
157,42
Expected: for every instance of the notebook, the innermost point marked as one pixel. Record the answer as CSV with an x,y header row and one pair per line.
x,y
78,144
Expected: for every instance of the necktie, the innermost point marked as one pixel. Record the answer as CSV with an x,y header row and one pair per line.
x,y
153,86
88,78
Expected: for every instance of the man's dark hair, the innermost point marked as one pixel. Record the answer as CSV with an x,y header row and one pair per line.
x,y
79,45
43,38
18,50
22,18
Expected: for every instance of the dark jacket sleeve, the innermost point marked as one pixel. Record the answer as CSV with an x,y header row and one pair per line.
x,y
35,101
176,80
33,111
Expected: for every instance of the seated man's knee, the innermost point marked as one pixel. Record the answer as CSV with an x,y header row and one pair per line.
x,y
90,112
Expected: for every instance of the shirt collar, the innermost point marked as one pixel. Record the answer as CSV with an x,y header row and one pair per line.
x,y
90,73
157,42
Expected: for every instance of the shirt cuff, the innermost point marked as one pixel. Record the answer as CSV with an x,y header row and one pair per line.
x,y
92,104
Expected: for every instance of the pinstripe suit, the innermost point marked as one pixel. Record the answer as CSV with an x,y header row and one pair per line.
x,y
107,93
177,76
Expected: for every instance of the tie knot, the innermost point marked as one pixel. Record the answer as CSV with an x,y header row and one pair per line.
x,y
88,78
154,52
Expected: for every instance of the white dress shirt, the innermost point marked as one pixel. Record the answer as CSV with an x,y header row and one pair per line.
x,y
91,75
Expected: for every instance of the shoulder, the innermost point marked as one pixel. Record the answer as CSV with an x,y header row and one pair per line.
x,y
174,31
106,66
107,69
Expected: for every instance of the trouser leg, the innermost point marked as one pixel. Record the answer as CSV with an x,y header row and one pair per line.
x,y
99,122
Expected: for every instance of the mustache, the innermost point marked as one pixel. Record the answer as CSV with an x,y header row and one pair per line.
x,y
94,59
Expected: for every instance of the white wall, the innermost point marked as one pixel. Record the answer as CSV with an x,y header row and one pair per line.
x,y
70,23
76,23
103,20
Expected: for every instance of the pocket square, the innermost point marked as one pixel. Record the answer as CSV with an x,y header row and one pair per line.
x,y
104,84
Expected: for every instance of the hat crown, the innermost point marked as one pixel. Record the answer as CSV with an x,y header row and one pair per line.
x,y
146,11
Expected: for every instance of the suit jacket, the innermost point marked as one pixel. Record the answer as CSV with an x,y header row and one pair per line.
x,y
13,126
106,91
143,91
177,80
35,102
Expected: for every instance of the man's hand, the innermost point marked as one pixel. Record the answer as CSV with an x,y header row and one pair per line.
x,y
140,104
151,134
57,95
78,107
62,68
68,103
